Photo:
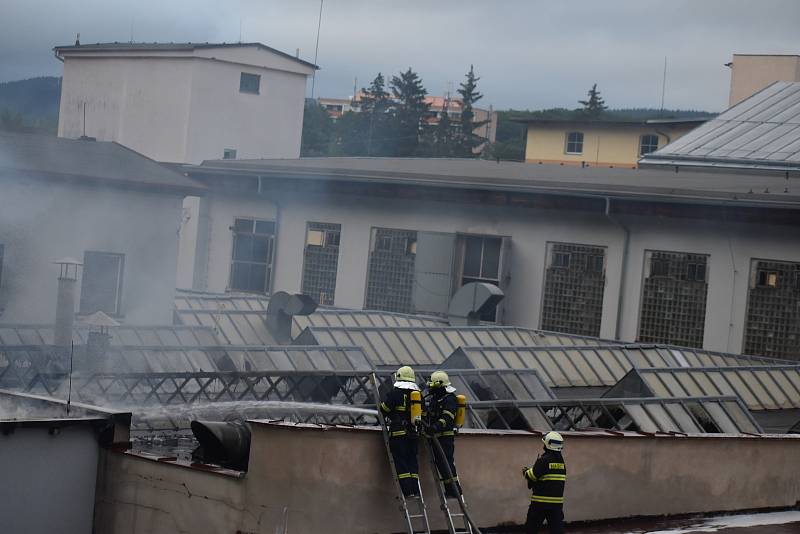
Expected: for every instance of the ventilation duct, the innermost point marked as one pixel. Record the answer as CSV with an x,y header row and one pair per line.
x,y
65,301
471,301
225,444
282,306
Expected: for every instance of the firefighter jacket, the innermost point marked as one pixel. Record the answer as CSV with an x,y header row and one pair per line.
x,y
396,408
440,413
547,478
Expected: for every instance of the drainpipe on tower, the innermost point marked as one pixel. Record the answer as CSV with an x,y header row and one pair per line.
x,y
65,302
623,268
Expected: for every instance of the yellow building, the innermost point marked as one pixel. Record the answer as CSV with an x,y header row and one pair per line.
x,y
600,142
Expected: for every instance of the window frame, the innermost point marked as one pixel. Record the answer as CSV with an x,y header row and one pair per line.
x,y
569,141
642,137
481,277
119,284
228,153
269,264
243,87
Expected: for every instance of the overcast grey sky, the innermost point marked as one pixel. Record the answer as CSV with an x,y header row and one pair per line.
x,y
529,53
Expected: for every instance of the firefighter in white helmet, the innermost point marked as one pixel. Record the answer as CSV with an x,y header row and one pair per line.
x,y
441,407
403,438
546,479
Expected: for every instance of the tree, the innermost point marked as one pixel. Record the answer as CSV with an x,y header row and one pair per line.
x,y
408,112
595,106
441,140
317,130
375,104
468,141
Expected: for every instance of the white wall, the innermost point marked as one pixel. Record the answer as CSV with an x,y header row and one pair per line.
x,y
530,230
44,221
186,108
48,480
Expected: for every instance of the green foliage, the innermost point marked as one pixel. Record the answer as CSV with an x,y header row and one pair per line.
x,y
408,112
595,105
317,130
467,140
30,105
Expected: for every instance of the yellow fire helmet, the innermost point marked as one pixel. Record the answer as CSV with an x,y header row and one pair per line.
x,y
439,379
553,441
405,374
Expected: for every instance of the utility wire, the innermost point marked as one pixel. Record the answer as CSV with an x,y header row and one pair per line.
x,y
316,49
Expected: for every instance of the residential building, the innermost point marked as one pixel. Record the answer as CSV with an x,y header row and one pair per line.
x,y
599,142
751,73
185,102
111,209
336,107
626,254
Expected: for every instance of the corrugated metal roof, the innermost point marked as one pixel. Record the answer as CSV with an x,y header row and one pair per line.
x,y
47,156
762,131
760,388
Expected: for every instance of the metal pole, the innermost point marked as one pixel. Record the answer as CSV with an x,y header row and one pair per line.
x,y
316,49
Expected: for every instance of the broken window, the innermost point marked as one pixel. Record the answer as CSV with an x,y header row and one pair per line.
x,y
673,308
101,283
253,249
320,261
390,274
573,289
772,324
249,83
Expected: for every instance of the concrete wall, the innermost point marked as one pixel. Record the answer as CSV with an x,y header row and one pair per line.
x,y
751,73
730,246
613,144
44,221
185,107
48,480
337,480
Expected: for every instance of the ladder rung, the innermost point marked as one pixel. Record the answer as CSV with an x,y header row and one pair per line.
x,y
415,516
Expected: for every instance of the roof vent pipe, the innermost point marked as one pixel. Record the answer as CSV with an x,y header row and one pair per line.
x,y
65,302
282,306
471,301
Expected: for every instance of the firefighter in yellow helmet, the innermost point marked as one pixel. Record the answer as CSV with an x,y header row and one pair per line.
x,y
403,438
441,405
546,479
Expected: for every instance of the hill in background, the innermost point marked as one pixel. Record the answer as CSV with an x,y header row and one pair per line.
x,y
30,105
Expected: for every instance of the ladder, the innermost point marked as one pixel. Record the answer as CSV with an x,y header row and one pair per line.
x,y
454,519
413,508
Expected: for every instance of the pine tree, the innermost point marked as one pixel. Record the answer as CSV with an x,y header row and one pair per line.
x,y
468,141
408,112
595,106
375,103
317,129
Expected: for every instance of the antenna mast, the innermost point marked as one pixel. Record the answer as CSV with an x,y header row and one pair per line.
x,y
316,49
663,85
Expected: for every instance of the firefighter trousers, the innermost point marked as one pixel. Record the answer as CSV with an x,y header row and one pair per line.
x,y
538,514
448,447
404,452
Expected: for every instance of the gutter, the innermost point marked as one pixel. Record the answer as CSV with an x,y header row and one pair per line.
x,y
623,269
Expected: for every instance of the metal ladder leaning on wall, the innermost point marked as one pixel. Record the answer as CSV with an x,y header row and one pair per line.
x,y
453,518
418,516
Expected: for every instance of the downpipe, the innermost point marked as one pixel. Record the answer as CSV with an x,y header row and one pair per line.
x,y
623,269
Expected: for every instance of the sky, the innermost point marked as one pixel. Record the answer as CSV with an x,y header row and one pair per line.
x,y
529,54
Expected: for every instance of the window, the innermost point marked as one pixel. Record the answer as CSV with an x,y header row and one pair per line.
x,y
673,308
648,143
249,83
251,262
390,274
772,320
482,264
320,261
575,143
229,153
573,289
101,283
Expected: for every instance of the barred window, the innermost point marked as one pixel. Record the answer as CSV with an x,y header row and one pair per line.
x,y
390,274
772,324
320,261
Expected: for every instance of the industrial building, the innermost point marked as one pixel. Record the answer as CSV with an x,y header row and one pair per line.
x,y
109,209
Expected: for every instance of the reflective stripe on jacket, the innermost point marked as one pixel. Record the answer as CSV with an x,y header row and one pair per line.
x,y
547,479
396,407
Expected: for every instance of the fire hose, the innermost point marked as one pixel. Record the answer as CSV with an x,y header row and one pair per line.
x,y
448,475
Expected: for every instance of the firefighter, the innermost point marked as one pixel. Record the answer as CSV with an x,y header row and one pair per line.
x,y
441,406
403,437
546,479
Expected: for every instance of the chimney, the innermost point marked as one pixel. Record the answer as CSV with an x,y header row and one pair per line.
x,y
471,301
282,306
65,302
99,340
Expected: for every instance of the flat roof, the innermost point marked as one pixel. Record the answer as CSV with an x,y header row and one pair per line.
x,y
611,121
161,47
97,162
652,184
